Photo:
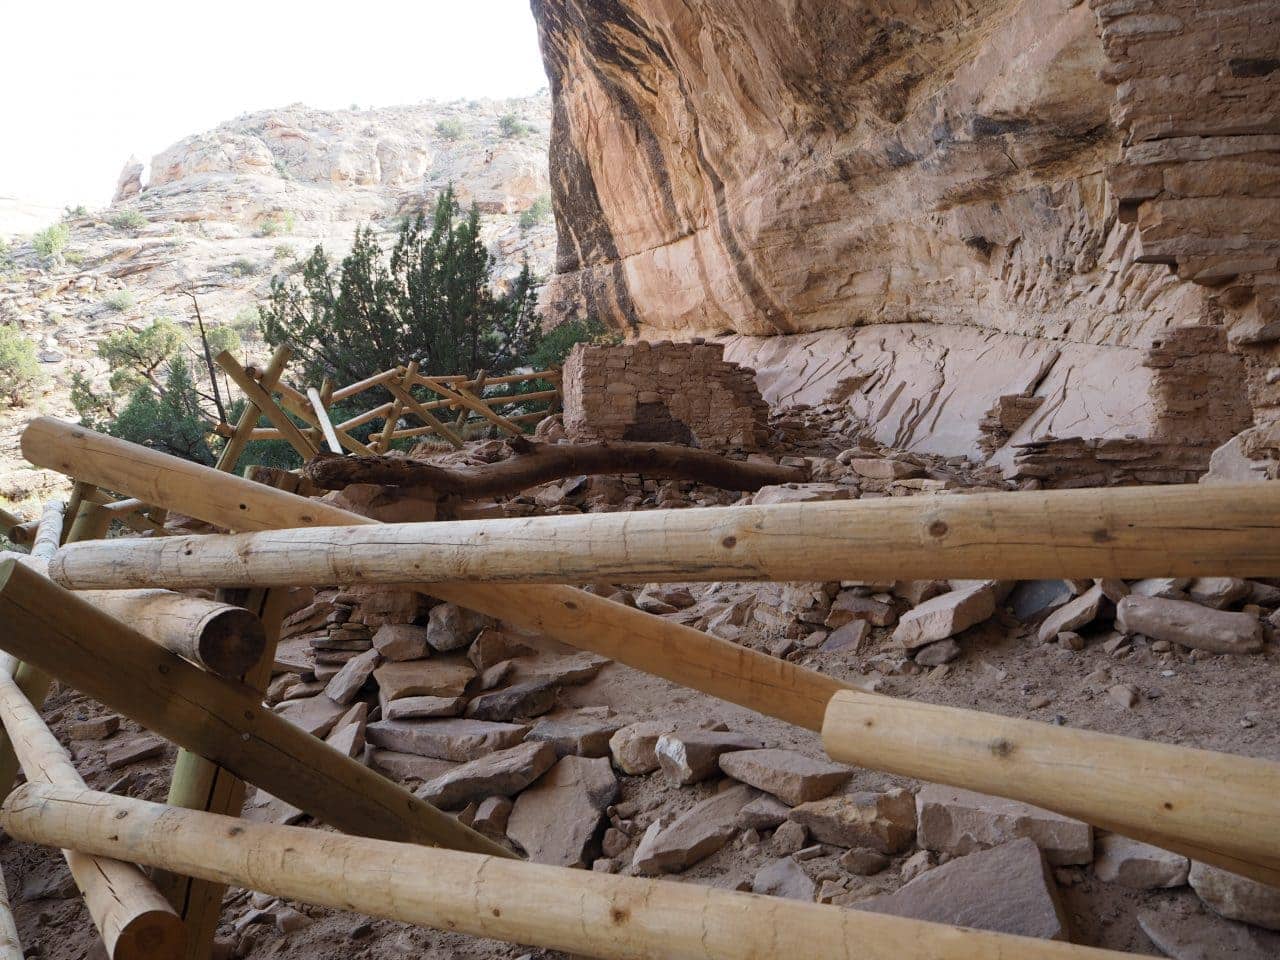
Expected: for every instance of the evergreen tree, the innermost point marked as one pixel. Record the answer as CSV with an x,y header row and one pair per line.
x,y
430,300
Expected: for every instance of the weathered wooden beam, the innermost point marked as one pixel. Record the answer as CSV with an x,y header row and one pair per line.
x,y
1126,532
230,454
300,406
222,638
225,722
468,401
326,425
260,398
1219,807
49,533
134,920
575,911
401,392
678,653
10,945
536,463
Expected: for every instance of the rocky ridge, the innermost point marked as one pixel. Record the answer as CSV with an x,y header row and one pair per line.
x,y
224,211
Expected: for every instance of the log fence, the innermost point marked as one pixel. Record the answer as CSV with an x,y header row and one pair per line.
x,y
403,859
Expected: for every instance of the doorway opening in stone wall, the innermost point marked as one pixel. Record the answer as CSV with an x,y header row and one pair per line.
x,y
655,424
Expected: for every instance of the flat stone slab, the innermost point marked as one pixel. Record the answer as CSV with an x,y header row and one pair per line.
x,y
955,821
791,777
401,641
1236,897
885,822
763,813
316,715
1138,865
558,819
689,756
1083,610
131,751
694,835
408,708
1008,889
784,878
635,746
502,773
459,740
1190,624
529,699
406,766
354,674
1203,936
567,671
423,678
583,733
945,615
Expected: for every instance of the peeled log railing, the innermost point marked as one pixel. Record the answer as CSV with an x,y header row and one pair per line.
x,y
1168,811
1214,807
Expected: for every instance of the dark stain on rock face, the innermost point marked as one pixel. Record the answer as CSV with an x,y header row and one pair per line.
x,y
1244,67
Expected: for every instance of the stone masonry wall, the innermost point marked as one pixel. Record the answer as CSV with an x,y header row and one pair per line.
x,y
666,392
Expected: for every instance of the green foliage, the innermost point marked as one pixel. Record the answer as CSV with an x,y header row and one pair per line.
x,y
284,251
6,254
170,421
450,128
75,213
430,300
282,170
539,212
223,337
119,301
20,372
138,357
282,222
558,341
242,267
247,323
512,126
51,241
73,257
127,220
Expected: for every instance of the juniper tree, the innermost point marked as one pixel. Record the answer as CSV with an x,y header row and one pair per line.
x,y
430,299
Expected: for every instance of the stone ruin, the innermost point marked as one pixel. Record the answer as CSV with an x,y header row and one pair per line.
x,y
663,392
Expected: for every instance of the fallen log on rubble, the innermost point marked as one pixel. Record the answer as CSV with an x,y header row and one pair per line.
x,y
535,463
1125,532
62,635
221,637
134,920
580,912
738,674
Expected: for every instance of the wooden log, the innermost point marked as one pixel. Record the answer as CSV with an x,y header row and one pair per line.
x,y
267,406
135,921
230,454
401,392
1219,806
225,722
300,406
220,637
49,534
10,945
326,425
1166,532
575,911
477,385
469,401
368,415
670,650
368,383
544,462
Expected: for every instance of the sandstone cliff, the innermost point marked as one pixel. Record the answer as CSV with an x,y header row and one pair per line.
x,y
925,208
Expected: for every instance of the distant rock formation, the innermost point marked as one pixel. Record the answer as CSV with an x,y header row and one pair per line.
x,y
1030,193
130,182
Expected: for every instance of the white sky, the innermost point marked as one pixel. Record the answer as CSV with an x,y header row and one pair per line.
x,y
89,83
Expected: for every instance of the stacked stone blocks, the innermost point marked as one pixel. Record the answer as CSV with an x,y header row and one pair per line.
x,y
665,392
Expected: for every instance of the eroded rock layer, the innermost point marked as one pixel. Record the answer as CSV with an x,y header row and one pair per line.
x,y
992,177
